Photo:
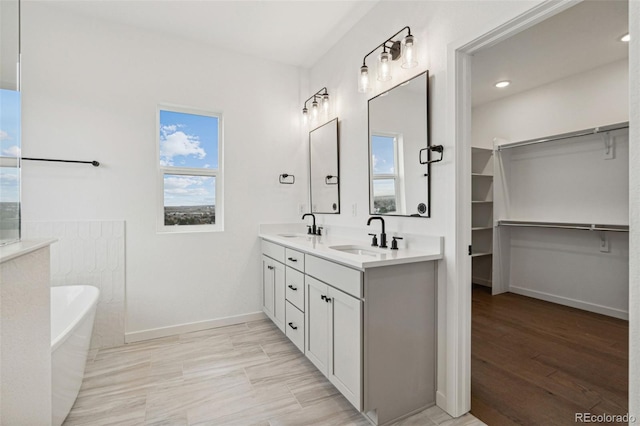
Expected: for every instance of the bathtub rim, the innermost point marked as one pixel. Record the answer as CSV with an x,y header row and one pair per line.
x,y
68,330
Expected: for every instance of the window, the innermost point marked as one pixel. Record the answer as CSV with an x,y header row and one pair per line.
x,y
190,170
385,177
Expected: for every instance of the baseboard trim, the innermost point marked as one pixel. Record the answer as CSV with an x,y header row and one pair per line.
x,y
591,307
154,333
441,400
481,281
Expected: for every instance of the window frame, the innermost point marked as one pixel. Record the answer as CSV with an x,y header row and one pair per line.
x,y
218,174
396,176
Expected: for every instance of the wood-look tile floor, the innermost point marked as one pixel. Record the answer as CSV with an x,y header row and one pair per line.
x,y
539,363
247,374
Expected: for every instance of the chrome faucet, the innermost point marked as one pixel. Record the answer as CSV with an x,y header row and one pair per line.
x,y
383,235
312,229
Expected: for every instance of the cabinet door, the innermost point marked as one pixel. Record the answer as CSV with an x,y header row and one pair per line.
x,y
316,315
267,286
279,295
345,352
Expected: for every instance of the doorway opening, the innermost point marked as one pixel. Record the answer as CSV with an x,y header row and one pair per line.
x,y
548,216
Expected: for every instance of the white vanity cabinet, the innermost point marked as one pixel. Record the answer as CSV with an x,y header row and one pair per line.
x,y
283,290
273,284
334,337
370,329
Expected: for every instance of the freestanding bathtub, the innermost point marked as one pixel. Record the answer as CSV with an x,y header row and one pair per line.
x,y
73,309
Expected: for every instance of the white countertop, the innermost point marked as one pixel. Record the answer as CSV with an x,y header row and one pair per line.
x,y
321,246
20,248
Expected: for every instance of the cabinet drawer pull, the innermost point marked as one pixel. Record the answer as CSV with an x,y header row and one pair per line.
x,y
292,287
295,327
292,259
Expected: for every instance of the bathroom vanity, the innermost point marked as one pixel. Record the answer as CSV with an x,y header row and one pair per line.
x,y
25,333
364,316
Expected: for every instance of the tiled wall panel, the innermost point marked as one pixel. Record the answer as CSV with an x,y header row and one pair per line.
x,y
90,253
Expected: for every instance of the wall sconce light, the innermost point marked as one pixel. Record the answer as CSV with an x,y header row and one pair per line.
x,y
323,96
391,50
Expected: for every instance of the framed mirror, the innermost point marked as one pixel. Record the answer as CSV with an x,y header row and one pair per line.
x,y
399,184
324,168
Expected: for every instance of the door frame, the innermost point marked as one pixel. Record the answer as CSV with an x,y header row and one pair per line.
x,y
457,397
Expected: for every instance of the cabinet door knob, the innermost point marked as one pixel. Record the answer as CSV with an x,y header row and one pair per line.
x,y
292,259
293,326
269,267
328,299
323,297
292,287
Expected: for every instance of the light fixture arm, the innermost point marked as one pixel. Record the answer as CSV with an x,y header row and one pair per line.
x,y
394,45
318,93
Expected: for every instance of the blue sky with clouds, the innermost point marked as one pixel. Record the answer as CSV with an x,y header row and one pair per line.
x,y
383,152
187,190
383,159
9,144
188,140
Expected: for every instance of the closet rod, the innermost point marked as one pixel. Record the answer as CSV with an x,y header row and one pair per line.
x,y
563,225
593,131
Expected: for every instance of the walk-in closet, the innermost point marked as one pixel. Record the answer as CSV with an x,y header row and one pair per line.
x,y
550,224
561,213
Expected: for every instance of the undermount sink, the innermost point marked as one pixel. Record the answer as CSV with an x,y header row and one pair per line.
x,y
358,250
294,235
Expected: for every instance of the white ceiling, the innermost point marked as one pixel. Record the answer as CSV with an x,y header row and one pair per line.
x,y
292,32
581,38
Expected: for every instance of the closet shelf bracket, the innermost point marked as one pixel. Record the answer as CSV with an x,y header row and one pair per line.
x,y
608,146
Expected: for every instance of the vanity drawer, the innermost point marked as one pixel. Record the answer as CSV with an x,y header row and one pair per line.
x,y
295,287
295,259
272,250
338,276
295,326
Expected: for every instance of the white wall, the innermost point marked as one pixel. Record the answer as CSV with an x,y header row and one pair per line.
x,y
593,98
634,213
435,25
90,92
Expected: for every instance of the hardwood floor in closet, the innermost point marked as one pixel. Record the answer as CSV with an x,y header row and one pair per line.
x,y
539,363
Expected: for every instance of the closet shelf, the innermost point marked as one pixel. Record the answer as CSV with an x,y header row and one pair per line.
x,y
480,202
481,254
481,175
563,136
481,228
483,150
564,225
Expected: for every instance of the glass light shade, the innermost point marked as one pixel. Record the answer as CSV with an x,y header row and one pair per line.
x,y
408,52
305,115
314,108
625,38
325,102
384,66
363,80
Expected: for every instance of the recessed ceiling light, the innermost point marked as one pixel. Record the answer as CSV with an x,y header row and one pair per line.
x,y
625,38
502,84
